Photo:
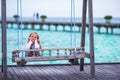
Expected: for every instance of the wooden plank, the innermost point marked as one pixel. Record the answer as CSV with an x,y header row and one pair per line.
x,y
21,73
31,73
51,73
39,73
69,69
16,71
11,74
42,68
35,73
58,76
25,71
45,58
64,72
77,73
45,71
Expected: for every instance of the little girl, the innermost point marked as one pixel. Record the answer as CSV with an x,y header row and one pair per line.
x,y
33,43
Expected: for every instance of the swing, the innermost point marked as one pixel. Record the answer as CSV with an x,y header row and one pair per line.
x,y
69,53
66,56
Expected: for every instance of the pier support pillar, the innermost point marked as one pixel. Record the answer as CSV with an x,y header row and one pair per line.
x,y
112,30
98,29
56,28
33,26
106,30
63,28
41,27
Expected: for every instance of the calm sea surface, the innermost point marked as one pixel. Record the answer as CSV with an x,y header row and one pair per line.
x,y
106,46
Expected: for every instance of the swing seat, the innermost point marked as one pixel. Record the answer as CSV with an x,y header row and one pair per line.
x,y
66,55
46,58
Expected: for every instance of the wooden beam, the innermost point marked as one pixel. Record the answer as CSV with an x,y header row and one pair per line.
x,y
4,46
91,38
47,49
87,55
83,31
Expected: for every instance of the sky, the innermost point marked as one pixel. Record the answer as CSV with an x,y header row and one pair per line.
x,y
62,8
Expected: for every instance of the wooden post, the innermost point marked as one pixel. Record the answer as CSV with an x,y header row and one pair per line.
x,y
65,51
33,26
99,29
56,27
83,31
63,27
4,46
91,34
57,52
41,27
49,52
48,27
79,28
11,25
106,29
25,26
112,30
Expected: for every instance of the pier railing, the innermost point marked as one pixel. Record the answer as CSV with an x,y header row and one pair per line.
x,y
26,24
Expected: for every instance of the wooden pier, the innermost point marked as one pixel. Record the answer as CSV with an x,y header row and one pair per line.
x,y
64,25
62,72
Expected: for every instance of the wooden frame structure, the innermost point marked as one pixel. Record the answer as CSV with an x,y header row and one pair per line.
x,y
81,55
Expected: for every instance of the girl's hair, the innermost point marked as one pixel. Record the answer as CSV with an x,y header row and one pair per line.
x,y
37,38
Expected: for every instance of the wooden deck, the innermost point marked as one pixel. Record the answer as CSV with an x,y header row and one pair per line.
x,y
63,72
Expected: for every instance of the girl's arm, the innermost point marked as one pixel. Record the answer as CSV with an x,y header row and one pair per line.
x,y
28,45
37,45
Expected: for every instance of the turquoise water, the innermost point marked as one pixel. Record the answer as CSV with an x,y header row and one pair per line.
x,y
106,46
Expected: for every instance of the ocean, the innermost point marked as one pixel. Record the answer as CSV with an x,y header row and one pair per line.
x,y
106,46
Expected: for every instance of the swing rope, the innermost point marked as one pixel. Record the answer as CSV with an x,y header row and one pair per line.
x,y
73,39
21,26
21,22
74,23
71,24
18,24
20,33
